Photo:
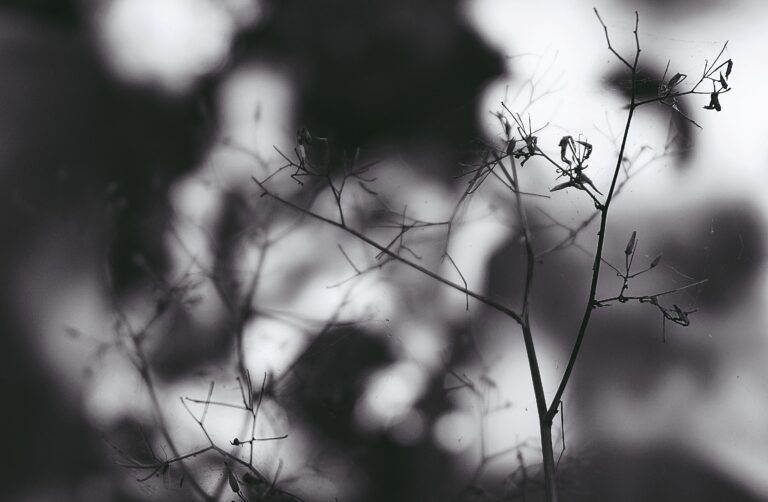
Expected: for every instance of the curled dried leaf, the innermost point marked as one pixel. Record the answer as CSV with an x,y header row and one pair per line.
x,y
676,79
561,186
583,178
564,142
714,102
681,316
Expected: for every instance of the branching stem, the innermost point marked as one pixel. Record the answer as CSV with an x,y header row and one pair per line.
x,y
555,404
386,251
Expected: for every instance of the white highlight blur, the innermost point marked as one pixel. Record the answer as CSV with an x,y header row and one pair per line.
x,y
389,395
455,431
169,43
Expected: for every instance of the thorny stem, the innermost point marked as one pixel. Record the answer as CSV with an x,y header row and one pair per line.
x,y
553,407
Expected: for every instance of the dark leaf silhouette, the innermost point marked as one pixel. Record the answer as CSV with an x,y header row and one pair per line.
x,y
676,79
714,102
631,244
723,82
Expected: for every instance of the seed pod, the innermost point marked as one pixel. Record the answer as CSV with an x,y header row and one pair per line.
x,y
563,144
631,244
655,261
723,82
728,69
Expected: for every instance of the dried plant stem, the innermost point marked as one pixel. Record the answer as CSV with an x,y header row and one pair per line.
x,y
545,422
598,260
392,254
163,426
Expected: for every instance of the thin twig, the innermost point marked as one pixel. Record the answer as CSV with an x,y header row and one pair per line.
x,y
477,296
602,231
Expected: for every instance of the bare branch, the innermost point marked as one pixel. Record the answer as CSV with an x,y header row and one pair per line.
x,y
477,296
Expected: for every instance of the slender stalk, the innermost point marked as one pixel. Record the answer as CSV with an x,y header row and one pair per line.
x,y
385,250
548,456
598,259
545,423
163,426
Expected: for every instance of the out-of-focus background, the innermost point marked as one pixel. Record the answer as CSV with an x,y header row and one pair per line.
x,y
140,264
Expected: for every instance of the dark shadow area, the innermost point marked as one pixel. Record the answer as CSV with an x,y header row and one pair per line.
x,y
732,239
94,159
85,164
685,8
323,391
655,475
60,12
380,72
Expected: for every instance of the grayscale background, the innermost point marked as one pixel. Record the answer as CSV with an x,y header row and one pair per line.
x,y
130,131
